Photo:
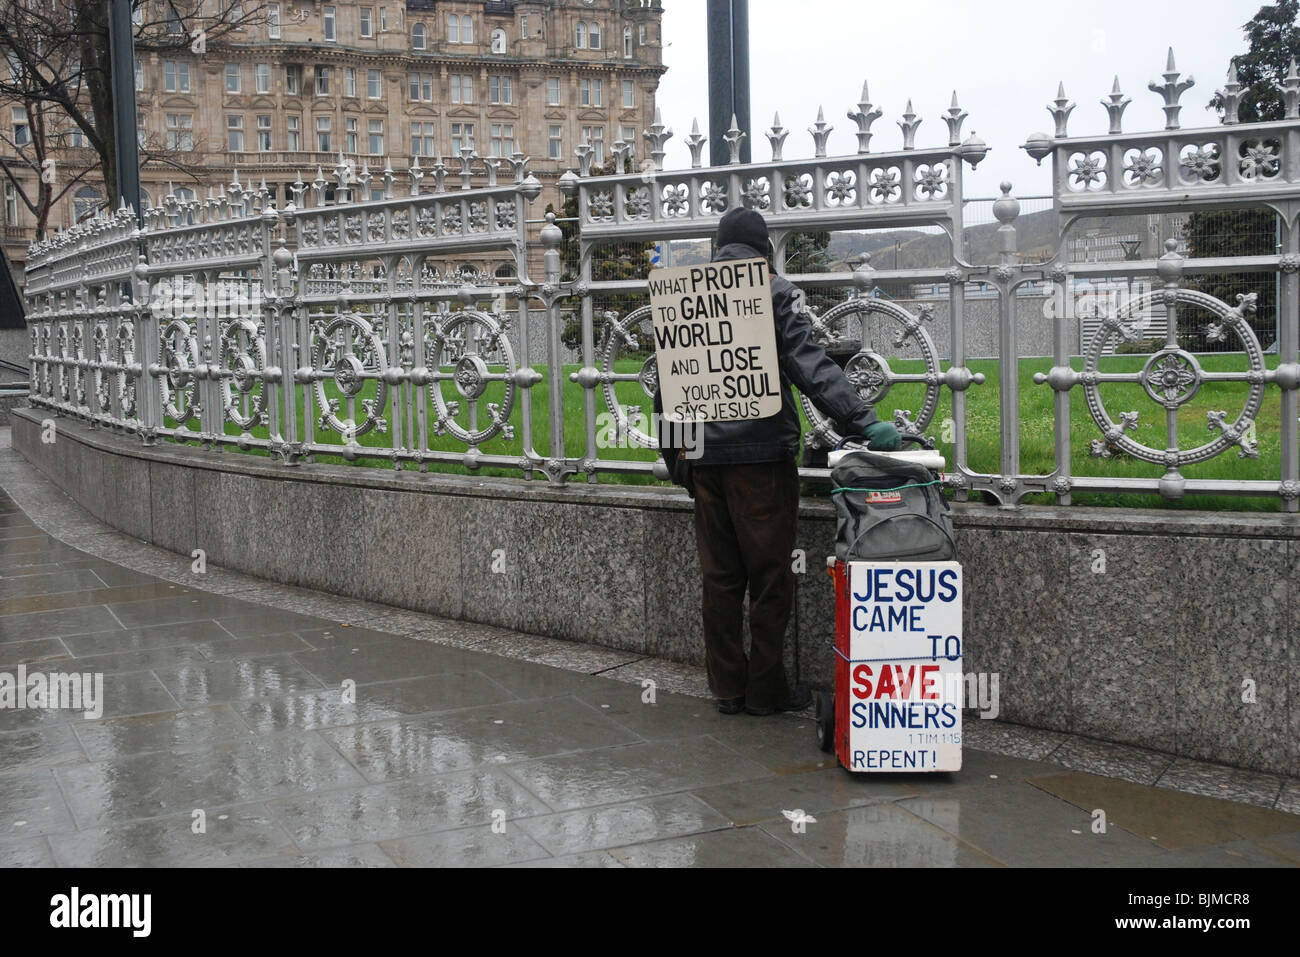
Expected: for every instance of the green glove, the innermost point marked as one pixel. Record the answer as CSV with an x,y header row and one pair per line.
x,y
882,437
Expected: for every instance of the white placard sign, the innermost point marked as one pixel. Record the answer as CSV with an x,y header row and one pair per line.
x,y
715,341
905,673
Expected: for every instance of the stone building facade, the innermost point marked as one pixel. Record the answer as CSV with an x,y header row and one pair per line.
x,y
382,81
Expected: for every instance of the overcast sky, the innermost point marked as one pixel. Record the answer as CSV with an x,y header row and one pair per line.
x,y
1003,57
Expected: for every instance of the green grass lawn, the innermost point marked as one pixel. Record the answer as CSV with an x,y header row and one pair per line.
x,y
1036,427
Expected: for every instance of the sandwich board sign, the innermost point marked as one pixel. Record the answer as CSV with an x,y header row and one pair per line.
x,y
905,669
715,341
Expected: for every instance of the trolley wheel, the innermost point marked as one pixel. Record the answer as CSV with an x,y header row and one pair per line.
x,y
826,721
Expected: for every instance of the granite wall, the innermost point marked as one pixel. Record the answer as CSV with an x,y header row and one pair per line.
x,y
1125,625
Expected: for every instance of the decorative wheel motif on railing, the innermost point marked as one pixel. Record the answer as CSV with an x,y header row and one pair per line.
x,y
78,366
125,347
63,350
46,383
870,372
1172,377
349,352
632,332
462,347
178,387
99,380
242,361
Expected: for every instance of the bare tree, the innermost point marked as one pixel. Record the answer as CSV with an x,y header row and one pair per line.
x,y
57,54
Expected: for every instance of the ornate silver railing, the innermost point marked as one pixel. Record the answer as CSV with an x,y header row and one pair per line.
x,y
374,329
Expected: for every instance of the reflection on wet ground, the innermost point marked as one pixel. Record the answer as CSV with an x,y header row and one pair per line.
x,y
298,740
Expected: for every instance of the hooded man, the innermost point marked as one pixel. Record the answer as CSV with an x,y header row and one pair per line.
x,y
745,482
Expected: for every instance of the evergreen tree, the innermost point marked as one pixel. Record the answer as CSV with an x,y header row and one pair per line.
x,y
614,261
1273,40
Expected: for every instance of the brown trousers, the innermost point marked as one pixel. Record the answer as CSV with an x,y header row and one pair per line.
x,y
745,519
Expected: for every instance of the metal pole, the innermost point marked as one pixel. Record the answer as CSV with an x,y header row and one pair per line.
x,y
728,38
740,73
121,43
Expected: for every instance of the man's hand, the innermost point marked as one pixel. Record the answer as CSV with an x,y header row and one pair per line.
x,y
882,437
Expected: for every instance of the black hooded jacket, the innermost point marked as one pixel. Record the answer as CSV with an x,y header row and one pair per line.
x,y
803,363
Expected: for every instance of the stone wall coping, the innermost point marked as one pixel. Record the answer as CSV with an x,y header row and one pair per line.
x,y
1041,518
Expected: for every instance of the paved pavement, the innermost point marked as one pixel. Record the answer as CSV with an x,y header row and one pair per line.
x,y
249,724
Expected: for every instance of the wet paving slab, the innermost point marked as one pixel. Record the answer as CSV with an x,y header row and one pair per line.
x,y
243,733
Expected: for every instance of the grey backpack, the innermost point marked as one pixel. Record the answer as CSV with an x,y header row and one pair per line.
x,y
888,510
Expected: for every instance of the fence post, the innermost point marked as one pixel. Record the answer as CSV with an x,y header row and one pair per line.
x,y
1006,209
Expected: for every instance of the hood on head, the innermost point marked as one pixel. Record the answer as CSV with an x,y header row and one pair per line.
x,y
744,226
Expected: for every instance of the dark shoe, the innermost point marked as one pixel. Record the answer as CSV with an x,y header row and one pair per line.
x,y
796,700
731,705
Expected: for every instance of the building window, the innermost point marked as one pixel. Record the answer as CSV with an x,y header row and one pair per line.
x,y
595,137
552,91
323,134
76,136
349,81
383,19
421,86
462,137
273,21
498,40
262,77
322,81
139,75
141,130
501,89
173,18
234,78
293,125
592,92
350,134
264,133
329,15
375,133
176,77
423,139
86,203
641,35
374,85
459,29
462,88
629,95
627,43
417,36
137,15
503,139
180,131
367,21
523,27
628,135
555,142
235,133
11,205
292,78
580,35
593,35
22,129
